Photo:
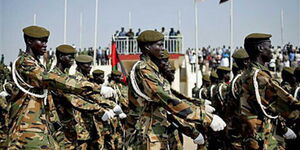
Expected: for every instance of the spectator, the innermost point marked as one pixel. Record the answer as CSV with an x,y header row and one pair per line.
x,y
122,32
138,32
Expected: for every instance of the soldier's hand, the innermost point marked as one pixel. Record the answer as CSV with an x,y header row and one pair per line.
x,y
108,92
109,114
209,109
207,102
217,123
199,140
122,115
290,134
117,110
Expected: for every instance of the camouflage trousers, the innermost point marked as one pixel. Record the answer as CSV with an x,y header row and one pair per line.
x,y
32,141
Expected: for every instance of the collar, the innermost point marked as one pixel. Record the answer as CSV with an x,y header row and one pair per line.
x,y
147,59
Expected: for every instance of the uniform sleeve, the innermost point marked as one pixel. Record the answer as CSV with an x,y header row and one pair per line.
x,y
273,89
155,90
39,78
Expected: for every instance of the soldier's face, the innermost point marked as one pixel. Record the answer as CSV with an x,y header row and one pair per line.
x,y
39,46
156,49
266,51
68,59
99,78
85,67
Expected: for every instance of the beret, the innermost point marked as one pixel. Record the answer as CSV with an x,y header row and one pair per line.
x,y
255,38
206,78
288,70
98,71
36,32
150,36
213,74
67,49
240,54
83,59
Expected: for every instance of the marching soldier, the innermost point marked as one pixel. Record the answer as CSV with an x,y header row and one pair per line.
x,y
28,121
241,59
98,76
258,92
204,88
150,98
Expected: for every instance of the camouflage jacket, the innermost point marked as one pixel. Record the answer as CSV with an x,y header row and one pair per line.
x,y
122,92
149,118
220,97
28,114
257,125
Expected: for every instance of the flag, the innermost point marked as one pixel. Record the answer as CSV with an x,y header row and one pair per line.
x,y
116,64
222,1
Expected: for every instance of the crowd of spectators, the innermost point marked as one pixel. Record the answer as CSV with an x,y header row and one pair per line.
x,y
210,58
126,40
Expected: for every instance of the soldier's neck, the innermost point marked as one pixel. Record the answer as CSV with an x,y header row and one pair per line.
x,y
60,67
29,51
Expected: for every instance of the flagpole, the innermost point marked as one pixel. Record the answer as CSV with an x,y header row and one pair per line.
x,y
65,23
34,19
80,32
196,42
95,38
179,19
299,23
281,28
129,19
231,35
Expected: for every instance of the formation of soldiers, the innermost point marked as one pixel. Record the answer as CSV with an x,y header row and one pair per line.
x,y
47,108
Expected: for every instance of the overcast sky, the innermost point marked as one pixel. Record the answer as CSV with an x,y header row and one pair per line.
x,y
213,19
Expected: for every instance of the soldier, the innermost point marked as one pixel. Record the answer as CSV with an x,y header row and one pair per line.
x,y
98,76
195,91
218,140
294,121
113,130
288,79
258,93
204,88
241,59
150,98
87,129
214,79
28,121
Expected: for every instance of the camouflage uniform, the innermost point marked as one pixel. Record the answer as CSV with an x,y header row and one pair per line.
x,y
113,131
258,129
146,126
30,126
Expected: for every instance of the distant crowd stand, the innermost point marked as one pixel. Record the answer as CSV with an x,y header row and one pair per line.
x,y
210,58
127,44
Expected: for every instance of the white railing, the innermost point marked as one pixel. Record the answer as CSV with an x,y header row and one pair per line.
x,y
126,45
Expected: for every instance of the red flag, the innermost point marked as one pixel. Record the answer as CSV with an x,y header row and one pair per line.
x,y
114,56
222,1
116,64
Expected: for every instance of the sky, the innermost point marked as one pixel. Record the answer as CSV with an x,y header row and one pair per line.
x,y
213,20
